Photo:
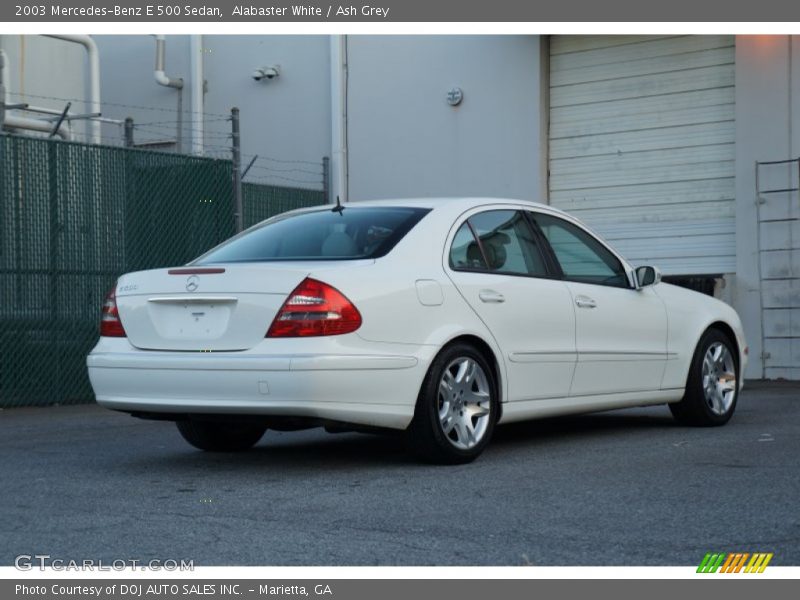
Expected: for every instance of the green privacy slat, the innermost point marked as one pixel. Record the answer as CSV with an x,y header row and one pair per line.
x,y
73,217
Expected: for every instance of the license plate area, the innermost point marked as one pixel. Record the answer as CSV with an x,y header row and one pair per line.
x,y
191,319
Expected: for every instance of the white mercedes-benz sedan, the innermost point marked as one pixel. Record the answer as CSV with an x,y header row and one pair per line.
x,y
438,317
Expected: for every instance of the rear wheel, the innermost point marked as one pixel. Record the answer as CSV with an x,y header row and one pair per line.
x,y
712,387
220,437
456,409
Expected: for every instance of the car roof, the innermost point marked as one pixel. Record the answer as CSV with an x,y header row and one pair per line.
x,y
457,203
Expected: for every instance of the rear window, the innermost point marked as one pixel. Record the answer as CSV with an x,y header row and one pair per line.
x,y
350,234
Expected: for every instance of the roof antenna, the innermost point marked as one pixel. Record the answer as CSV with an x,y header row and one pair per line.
x,y
338,208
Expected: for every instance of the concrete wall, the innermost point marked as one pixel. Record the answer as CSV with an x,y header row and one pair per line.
x,y
767,128
405,140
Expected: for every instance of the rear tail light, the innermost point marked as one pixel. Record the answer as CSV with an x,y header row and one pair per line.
x,y
315,308
110,324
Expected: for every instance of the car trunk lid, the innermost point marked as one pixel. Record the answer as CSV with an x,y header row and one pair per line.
x,y
212,309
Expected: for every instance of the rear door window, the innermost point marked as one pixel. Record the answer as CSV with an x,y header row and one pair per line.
x,y
350,234
500,241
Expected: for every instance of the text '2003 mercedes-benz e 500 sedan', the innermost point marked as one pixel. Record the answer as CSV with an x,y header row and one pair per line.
x,y
439,318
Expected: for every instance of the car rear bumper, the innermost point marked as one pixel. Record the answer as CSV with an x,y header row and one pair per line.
x,y
376,389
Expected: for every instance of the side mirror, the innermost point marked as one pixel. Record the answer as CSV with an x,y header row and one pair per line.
x,y
647,276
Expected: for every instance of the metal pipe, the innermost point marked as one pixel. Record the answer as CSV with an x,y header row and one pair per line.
x,y
161,77
3,90
5,74
339,185
173,82
94,77
198,89
237,170
129,132
14,121
17,122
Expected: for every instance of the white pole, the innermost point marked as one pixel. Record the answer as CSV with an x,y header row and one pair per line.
x,y
196,65
339,118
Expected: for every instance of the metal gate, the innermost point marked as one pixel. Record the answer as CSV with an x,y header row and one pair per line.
x,y
778,213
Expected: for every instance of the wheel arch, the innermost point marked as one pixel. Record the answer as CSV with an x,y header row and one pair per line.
x,y
489,354
728,332
723,327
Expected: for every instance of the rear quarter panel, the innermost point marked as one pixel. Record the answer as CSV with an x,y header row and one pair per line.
x,y
406,297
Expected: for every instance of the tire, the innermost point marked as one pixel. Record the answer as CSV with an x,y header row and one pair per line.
x,y
456,409
712,388
220,437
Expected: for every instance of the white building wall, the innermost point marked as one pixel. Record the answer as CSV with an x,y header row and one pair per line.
x,y
404,138
129,89
287,118
43,71
768,128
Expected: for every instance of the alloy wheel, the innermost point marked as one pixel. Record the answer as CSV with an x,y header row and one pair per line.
x,y
464,403
719,378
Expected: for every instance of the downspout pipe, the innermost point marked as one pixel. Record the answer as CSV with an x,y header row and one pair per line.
x,y
3,90
5,77
94,77
198,90
339,167
161,77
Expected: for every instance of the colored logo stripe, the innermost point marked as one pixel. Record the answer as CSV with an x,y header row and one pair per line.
x,y
710,563
734,562
758,563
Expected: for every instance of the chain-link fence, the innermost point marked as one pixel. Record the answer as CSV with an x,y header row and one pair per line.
x,y
73,217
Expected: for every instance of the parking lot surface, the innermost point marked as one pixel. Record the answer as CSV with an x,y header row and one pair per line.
x,y
622,487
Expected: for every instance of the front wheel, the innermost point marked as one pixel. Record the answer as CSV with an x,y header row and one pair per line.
x,y
456,409
712,388
220,437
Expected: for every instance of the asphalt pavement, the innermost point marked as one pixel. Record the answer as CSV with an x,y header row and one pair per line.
x,y
617,488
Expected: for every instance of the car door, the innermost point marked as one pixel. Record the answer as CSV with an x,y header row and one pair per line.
x,y
621,331
496,261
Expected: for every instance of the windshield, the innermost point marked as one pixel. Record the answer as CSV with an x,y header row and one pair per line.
x,y
348,234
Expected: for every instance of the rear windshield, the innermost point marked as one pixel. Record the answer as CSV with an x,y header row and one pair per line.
x,y
349,234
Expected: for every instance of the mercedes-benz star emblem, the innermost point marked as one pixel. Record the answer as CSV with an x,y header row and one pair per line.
x,y
192,283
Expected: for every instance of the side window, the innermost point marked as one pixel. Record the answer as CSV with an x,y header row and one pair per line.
x,y
466,253
504,244
581,256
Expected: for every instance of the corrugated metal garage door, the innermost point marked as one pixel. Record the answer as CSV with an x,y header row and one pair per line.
x,y
642,145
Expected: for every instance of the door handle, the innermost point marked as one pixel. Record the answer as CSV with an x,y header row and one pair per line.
x,y
491,296
585,302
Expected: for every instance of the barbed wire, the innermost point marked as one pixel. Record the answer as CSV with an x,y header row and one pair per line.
x,y
270,180
247,157
184,121
295,170
216,143
119,104
160,130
